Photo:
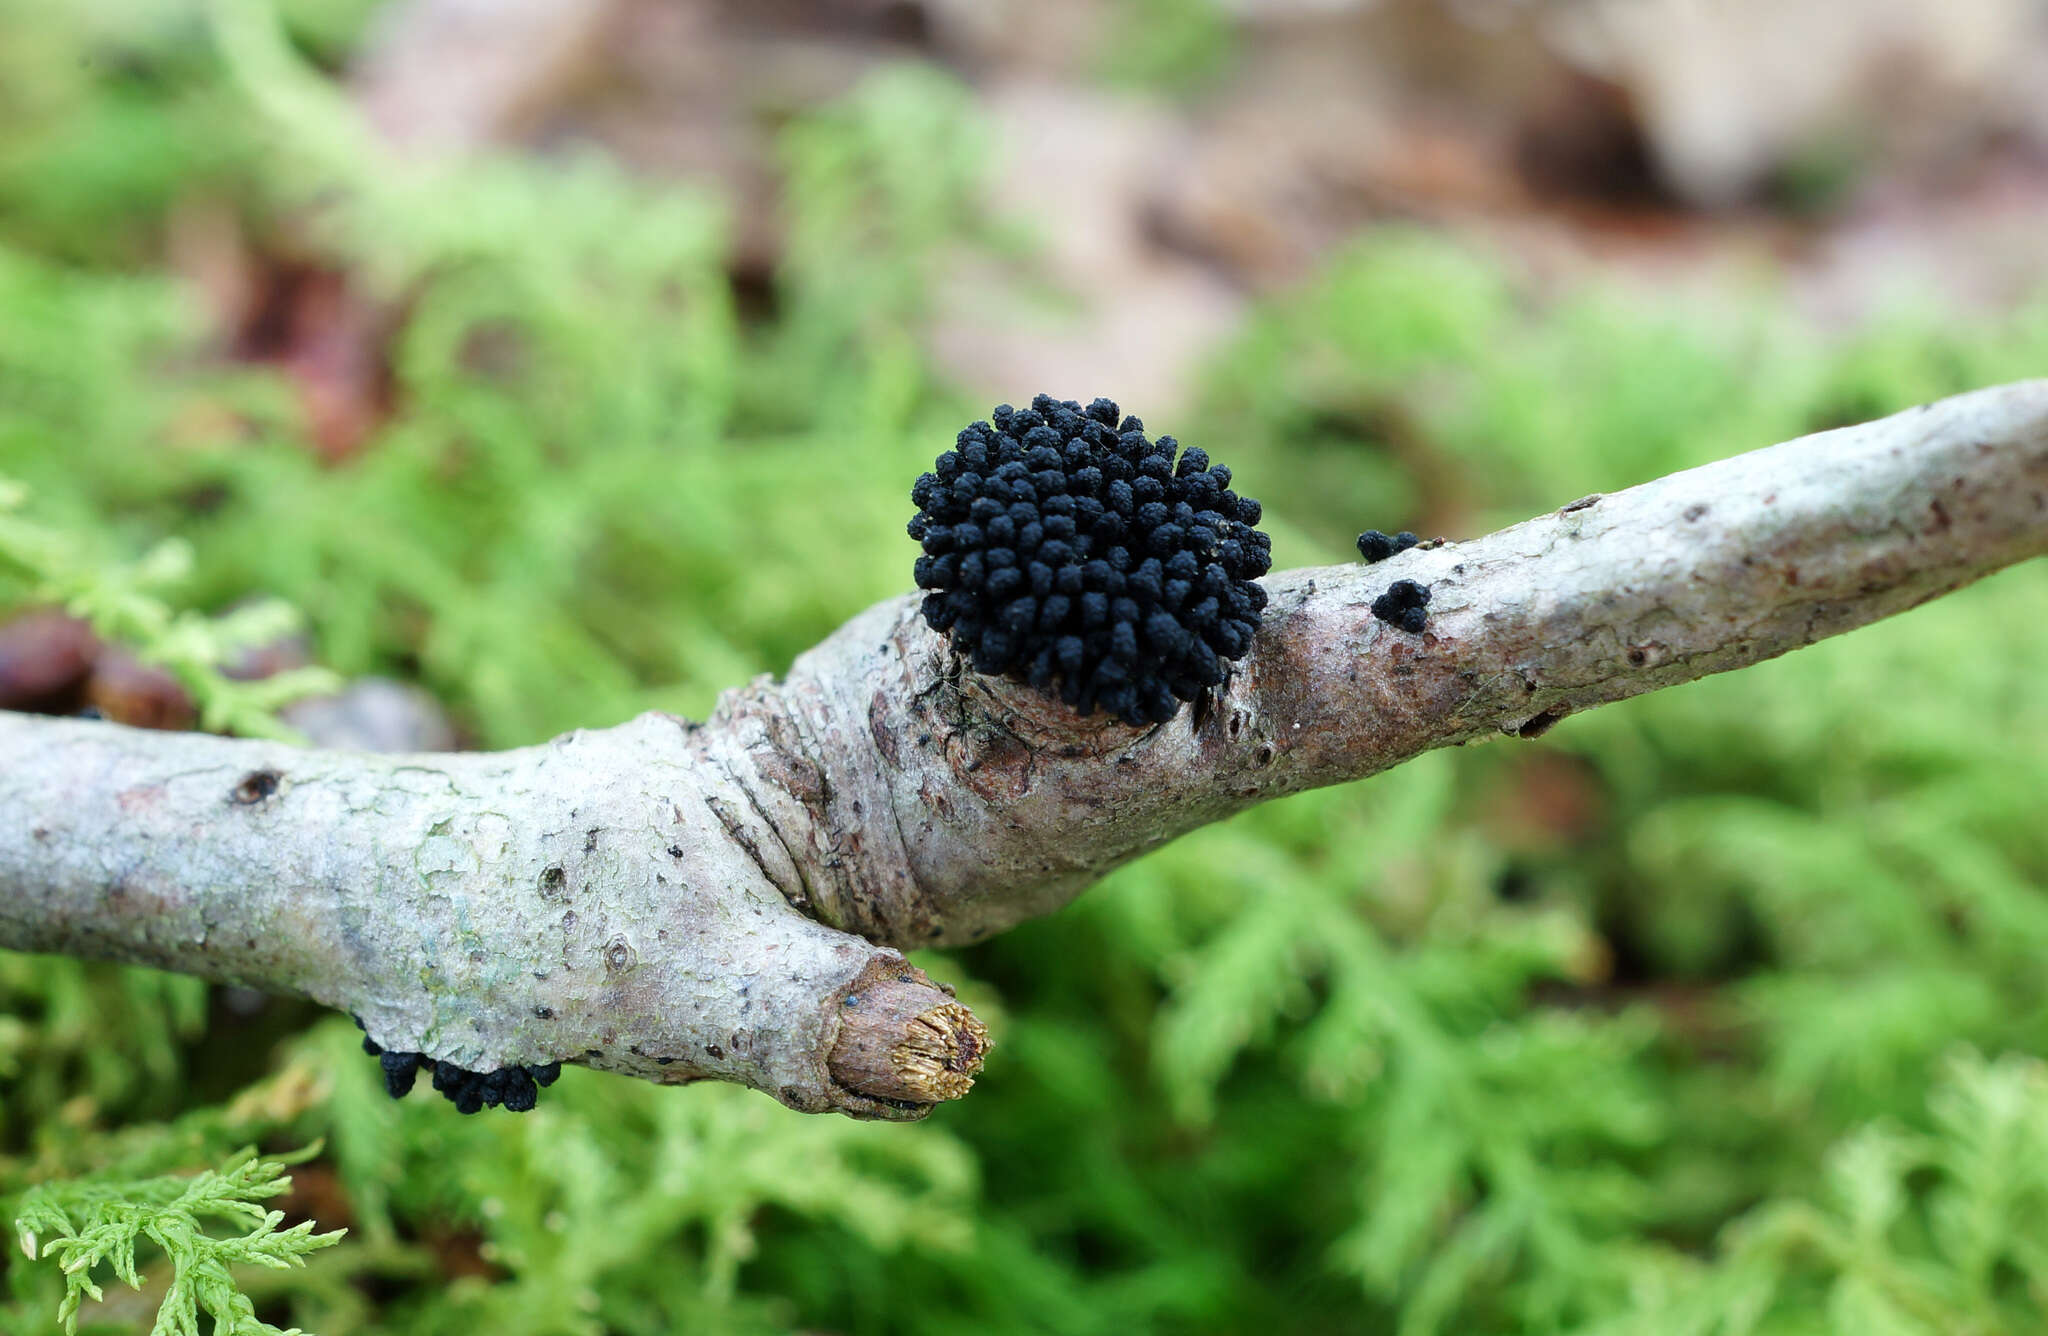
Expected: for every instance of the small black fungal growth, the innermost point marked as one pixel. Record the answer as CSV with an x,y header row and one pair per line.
x,y
1064,549
255,787
514,1088
1376,546
1404,605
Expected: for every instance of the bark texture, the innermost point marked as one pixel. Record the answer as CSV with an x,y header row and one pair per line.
x,y
680,901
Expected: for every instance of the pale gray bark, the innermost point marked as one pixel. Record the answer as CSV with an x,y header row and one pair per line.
x,y
578,900
679,901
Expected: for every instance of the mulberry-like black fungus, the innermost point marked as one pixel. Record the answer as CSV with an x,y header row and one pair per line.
x,y
1063,548
514,1088
1376,546
1404,605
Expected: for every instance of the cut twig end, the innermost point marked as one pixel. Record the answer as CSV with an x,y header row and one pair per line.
x,y
906,1040
940,1053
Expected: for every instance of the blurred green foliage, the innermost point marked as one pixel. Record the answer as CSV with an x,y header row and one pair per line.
x,y
1169,46
125,604
1717,1012
82,1226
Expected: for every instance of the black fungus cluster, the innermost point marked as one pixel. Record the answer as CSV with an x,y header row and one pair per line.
x,y
515,1088
1376,546
1063,548
1404,605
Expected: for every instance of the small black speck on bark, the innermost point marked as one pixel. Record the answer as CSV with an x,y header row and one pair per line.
x,y
255,787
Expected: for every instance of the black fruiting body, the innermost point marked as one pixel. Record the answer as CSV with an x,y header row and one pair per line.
x,y
1376,546
515,1088
1063,548
1404,605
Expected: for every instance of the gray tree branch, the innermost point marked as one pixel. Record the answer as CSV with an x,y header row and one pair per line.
x,y
681,901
